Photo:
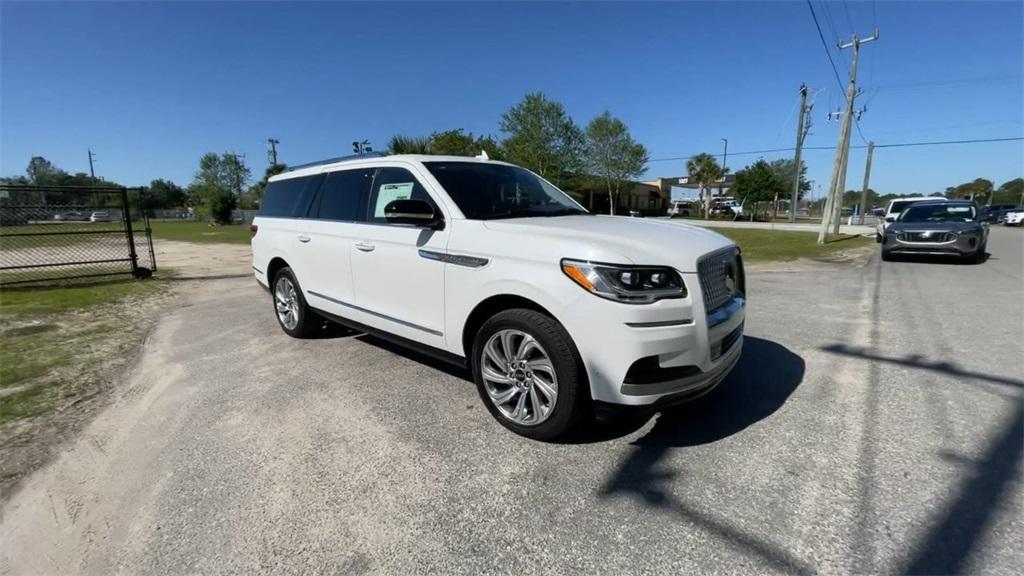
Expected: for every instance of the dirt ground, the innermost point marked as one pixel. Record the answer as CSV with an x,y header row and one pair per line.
x,y
27,444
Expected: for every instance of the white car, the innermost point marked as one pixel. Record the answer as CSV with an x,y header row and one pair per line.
x,y
1014,218
99,217
555,311
896,207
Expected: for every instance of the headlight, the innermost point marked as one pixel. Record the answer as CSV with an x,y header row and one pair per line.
x,y
629,284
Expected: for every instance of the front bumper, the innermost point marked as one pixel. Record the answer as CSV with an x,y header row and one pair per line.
x,y
963,245
686,352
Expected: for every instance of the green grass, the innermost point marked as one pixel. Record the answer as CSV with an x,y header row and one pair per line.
x,y
72,296
54,338
771,245
200,232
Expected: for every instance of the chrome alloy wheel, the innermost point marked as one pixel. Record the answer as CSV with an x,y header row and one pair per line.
x,y
519,377
287,302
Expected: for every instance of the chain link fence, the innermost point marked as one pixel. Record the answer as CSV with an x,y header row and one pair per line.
x,y
57,233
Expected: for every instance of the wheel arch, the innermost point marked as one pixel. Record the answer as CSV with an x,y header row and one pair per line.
x,y
489,307
273,267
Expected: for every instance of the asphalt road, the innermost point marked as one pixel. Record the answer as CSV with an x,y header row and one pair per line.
x,y
874,425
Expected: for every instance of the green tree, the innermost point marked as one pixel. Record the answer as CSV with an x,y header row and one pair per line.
x,y
164,194
1011,192
409,145
758,182
543,138
704,169
784,169
613,155
42,172
217,185
979,189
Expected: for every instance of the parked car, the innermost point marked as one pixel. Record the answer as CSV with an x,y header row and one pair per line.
x,y
1014,217
682,208
996,212
487,265
895,208
69,217
99,217
940,228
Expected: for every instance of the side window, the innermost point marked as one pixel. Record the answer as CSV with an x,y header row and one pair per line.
x,y
393,184
289,198
343,195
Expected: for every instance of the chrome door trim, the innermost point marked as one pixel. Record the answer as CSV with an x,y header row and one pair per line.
x,y
377,314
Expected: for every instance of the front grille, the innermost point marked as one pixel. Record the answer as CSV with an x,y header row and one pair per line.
x,y
721,276
926,237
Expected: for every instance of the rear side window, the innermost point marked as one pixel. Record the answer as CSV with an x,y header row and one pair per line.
x,y
343,195
289,198
392,184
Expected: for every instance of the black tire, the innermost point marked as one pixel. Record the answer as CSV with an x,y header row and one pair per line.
x,y
307,323
886,256
572,396
979,255
878,238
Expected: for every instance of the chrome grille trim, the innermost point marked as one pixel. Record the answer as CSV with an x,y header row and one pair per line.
x,y
711,269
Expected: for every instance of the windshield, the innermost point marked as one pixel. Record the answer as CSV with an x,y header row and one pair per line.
x,y
939,213
898,207
490,191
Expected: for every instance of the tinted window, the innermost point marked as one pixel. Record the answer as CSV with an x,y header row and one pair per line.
x,y
487,191
289,198
393,184
898,207
343,195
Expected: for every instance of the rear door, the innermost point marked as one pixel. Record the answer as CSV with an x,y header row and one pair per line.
x,y
340,206
398,279
283,225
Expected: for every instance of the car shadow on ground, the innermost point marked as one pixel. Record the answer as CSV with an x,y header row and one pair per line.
x,y
933,260
762,381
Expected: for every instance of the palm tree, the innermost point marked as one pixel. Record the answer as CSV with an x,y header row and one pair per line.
x,y
704,169
409,145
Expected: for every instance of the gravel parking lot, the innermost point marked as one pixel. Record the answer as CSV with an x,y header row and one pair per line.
x,y
874,424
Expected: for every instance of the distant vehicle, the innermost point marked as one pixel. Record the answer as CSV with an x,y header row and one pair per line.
x,y
682,208
1014,217
997,212
99,217
896,207
69,217
938,228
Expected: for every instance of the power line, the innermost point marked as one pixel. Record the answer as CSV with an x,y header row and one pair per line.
x,y
825,46
849,22
892,145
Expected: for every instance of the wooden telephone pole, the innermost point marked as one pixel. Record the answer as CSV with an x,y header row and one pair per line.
x,y
834,203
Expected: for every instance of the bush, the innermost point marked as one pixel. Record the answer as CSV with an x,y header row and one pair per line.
x,y
220,205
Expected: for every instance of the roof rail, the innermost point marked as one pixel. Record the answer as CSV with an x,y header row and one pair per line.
x,y
338,159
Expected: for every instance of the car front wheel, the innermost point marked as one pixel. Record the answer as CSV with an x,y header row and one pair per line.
x,y
529,373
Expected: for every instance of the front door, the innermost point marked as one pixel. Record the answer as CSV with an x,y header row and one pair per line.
x,y
397,288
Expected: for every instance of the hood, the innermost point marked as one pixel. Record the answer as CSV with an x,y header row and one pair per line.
x,y
933,226
618,239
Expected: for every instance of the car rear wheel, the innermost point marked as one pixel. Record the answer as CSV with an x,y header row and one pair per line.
x,y
528,373
290,306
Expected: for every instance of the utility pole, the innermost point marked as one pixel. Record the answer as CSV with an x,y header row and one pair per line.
x,y
725,159
92,173
272,153
801,133
834,204
867,178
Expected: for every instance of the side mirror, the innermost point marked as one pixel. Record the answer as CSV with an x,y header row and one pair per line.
x,y
890,218
415,212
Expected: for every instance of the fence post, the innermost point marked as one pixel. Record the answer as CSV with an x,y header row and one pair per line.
x,y
127,216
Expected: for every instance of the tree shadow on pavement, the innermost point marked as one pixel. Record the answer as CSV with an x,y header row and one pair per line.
x,y
762,381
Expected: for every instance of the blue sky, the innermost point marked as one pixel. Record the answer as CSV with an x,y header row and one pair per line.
x,y
152,86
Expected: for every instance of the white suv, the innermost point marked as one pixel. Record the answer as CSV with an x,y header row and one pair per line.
x,y
485,264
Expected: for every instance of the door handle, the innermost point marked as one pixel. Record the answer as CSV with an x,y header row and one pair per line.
x,y
303,238
365,246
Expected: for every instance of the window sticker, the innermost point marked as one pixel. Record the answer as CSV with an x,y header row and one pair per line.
x,y
388,193
955,209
